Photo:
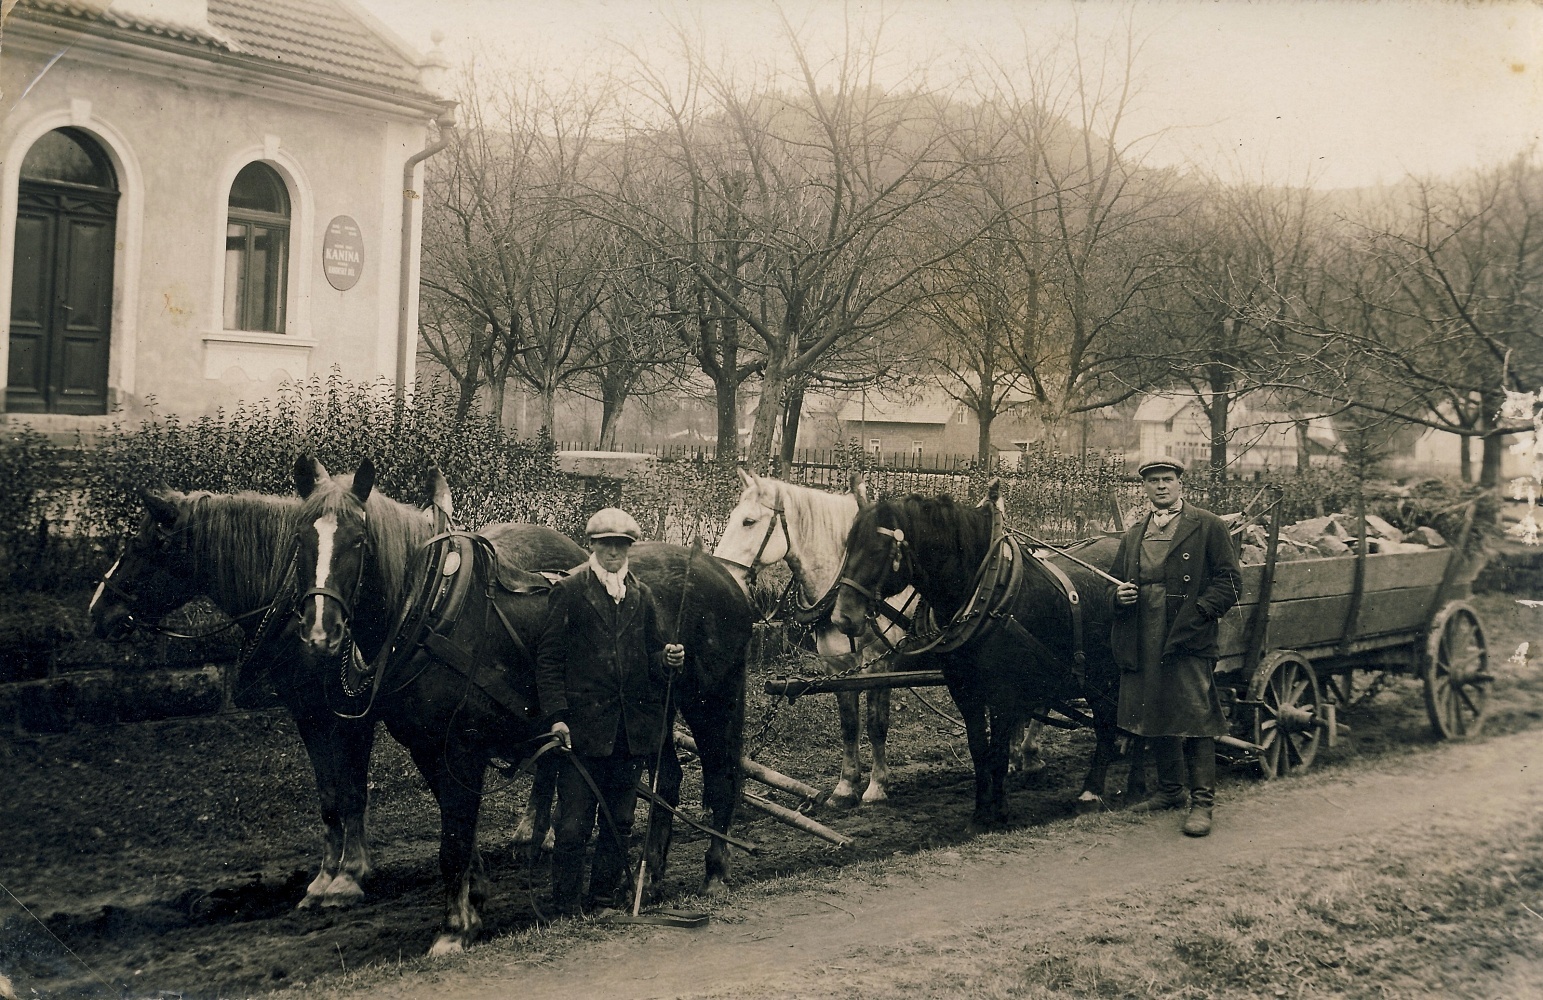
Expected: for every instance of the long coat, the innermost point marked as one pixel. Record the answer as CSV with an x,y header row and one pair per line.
x,y
600,666
1177,696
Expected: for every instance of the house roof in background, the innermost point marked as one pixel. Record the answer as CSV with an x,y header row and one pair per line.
x,y
897,406
329,38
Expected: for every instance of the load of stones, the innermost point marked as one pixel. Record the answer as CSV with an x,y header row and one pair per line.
x,y
1327,537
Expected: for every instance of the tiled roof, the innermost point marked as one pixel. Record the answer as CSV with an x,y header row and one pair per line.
x,y
321,37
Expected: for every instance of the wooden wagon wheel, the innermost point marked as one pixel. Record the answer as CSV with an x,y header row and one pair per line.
x,y
1456,672
1286,696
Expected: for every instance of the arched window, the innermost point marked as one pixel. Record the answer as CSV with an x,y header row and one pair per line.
x,y
256,250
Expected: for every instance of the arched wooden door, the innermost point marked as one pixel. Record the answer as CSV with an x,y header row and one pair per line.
x,y
62,278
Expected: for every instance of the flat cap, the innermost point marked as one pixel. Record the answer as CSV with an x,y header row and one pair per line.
x,y
1160,462
613,522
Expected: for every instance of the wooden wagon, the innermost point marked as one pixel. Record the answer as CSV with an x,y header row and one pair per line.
x,y
1291,647
1289,650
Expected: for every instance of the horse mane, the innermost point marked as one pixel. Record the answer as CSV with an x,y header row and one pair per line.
x,y
395,529
240,542
818,523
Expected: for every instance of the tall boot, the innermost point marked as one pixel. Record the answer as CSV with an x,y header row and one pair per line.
x,y
1168,752
567,879
1201,755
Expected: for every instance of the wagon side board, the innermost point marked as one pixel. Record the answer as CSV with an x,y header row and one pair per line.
x,y
1311,602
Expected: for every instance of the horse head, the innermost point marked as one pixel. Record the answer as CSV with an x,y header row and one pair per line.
x,y
333,543
153,574
878,564
757,532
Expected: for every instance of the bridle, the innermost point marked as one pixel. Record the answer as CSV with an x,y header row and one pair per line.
x,y
900,554
753,569
345,602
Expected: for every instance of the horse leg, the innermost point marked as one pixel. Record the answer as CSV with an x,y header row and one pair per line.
x,y
836,651
974,715
355,737
661,826
339,751
1003,727
1025,756
533,833
878,736
1105,751
455,775
720,744
845,794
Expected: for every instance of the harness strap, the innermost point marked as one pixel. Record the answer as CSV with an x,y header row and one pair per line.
x,y
1074,600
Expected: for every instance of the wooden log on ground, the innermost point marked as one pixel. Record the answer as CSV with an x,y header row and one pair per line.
x,y
795,687
760,772
795,819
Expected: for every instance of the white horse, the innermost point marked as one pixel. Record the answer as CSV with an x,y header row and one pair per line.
x,y
775,522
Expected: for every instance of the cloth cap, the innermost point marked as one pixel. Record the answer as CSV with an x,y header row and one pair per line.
x,y
613,522
1151,464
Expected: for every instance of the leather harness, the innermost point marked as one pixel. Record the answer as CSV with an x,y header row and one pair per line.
x,y
997,583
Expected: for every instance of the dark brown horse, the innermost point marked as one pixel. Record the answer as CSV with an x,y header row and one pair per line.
x,y
236,550
1004,659
463,700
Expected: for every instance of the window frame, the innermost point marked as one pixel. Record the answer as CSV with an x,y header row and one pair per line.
x,y
253,309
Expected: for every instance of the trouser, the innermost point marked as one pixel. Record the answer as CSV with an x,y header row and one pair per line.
x,y
1187,761
616,778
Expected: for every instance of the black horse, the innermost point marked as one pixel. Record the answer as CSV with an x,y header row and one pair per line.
x,y
466,695
1013,652
236,550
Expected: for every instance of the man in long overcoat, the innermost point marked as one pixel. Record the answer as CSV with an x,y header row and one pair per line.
x,y
602,673
1182,576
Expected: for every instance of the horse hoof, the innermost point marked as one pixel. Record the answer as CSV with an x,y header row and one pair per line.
x,y
1088,806
342,893
309,902
847,801
1032,766
873,795
714,886
447,944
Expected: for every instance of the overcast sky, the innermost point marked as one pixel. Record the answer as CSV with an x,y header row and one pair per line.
x,y
1342,93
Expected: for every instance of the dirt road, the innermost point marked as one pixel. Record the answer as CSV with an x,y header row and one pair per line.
x,y
864,932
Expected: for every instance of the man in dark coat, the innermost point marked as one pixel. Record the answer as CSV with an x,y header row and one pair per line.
x,y
1182,576
602,671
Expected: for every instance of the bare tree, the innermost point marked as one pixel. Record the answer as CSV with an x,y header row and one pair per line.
x,y
1441,298
788,236
1081,222
1246,265
513,272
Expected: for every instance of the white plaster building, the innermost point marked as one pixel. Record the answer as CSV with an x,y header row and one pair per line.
x,y
202,199
1175,425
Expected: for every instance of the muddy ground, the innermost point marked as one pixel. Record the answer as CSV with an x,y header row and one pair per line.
x,y
166,858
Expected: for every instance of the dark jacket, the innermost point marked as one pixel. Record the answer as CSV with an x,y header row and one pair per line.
x,y
1203,581
600,665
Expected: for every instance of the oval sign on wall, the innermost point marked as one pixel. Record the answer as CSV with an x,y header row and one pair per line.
x,y
342,253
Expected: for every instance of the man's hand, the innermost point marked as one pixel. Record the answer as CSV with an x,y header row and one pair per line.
x,y
1125,594
675,655
560,730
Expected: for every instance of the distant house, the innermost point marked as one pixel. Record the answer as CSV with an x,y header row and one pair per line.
x,y
1262,437
1433,452
908,421
202,199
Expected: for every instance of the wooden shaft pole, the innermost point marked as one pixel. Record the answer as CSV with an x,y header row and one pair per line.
x,y
760,772
795,819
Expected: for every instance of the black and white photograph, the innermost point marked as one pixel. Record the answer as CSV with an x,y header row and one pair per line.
x,y
761,499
